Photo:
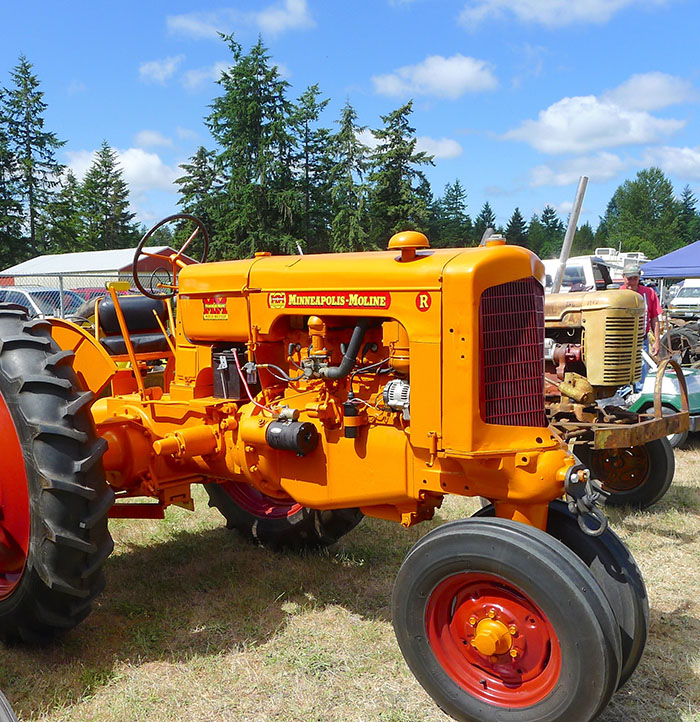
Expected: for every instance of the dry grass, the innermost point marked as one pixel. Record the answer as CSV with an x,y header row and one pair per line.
x,y
196,624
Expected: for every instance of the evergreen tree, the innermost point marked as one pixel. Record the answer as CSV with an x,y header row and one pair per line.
x,y
644,210
454,227
37,171
485,219
314,164
64,228
516,230
537,236
256,204
349,192
11,250
104,201
689,220
197,197
584,241
553,232
399,200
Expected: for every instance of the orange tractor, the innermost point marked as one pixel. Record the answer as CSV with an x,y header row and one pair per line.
x,y
305,392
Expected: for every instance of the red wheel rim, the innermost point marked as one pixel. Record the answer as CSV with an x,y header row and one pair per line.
x,y
14,506
519,676
259,504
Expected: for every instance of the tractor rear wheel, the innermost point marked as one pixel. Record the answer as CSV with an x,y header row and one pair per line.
x,y
53,496
637,476
499,621
614,568
279,522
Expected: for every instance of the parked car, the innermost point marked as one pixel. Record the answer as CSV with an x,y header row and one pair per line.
x,y
41,300
90,293
686,303
671,397
582,273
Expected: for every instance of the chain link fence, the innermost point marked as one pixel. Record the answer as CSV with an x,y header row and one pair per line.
x,y
62,295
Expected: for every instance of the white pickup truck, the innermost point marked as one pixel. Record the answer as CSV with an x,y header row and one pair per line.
x,y
582,273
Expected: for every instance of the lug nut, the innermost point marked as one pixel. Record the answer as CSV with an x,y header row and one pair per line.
x,y
492,613
472,621
513,630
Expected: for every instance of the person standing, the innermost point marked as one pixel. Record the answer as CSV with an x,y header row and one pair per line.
x,y
632,274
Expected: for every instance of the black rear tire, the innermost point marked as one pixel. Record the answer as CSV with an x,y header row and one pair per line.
x,y
61,479
559,623
635,477
614,568
279,523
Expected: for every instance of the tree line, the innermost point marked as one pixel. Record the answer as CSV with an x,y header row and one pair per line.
x,y
274,178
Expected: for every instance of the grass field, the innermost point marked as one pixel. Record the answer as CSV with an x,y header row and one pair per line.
x,y
196,624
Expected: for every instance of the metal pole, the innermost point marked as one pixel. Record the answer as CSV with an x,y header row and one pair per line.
x,y
61,299
570,233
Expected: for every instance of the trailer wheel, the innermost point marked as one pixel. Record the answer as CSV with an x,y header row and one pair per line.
x,y
6,713
279,522
53,496
499,621
637,476
614,568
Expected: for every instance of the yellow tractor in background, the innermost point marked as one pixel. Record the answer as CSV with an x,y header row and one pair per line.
x,y
304,393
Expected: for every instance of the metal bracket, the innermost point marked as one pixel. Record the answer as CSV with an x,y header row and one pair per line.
x,y
583,501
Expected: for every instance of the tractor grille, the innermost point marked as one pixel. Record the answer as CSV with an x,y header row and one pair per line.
x,y
623,350
511,318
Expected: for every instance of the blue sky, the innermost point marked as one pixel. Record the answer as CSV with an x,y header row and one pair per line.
x,y
516,98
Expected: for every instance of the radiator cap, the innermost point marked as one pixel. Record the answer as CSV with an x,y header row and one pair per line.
x,y
407,242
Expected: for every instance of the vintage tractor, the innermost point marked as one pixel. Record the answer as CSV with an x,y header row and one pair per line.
x,y
304,392
593,347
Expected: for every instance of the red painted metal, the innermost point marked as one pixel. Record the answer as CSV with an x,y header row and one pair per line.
x,y
500,680
511,317
14,506
259,504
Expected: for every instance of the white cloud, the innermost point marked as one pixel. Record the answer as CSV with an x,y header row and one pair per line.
x,y
442,77
550,13
598,168
681,162
151,139
651,91
368,138
141,170
187,134
194,79
76,87
158,71
440,148
272,20
288,15
585,123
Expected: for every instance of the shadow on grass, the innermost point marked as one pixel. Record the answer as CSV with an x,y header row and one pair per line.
x,y
207,593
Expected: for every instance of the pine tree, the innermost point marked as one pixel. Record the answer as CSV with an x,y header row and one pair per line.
x,y
553,232
398,200
689,219
104,200
33,148
516,230
645,211
349,192
11,250
257,204
485,219
314,164
454,226
197,197
536,236
584,241
64,228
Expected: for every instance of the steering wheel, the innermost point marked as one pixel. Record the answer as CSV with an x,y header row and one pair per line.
x,y
172,261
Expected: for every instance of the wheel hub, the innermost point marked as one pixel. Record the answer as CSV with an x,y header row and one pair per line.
x,y
492,638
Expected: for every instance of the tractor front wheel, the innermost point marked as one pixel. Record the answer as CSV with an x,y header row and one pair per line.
x,y
53,496
499,621
614,568
279,522
637,476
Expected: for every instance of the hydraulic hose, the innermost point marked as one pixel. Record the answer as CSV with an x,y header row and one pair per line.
x,y
346,365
